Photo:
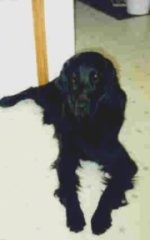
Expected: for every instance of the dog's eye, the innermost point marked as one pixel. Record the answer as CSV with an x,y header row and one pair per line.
x,y
74,79
95,78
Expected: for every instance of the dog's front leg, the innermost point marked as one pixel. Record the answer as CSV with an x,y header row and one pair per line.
x,y
41,95
122,170
12,100
68,184
110,199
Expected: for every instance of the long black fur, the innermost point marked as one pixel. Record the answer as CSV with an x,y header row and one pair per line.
x,y
86,105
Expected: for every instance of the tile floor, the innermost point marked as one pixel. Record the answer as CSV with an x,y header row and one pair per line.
x,y
26,156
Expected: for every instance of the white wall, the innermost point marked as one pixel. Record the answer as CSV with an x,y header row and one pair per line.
x,y
17,49
60,33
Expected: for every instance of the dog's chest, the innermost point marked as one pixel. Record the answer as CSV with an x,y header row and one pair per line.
x,y
87,138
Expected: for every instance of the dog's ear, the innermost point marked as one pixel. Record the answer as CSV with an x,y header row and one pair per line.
x,y
62,81
111,81
115,96
110,75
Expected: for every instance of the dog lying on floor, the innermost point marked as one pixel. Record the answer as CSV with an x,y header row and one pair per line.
x,y
86,105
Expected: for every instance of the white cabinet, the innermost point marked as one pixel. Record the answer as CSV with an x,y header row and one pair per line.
x,y
17,46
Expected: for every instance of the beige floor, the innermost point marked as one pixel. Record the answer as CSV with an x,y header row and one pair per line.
x,y
28,209
126,42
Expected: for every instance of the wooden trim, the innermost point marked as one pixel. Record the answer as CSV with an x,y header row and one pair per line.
x,y
40,40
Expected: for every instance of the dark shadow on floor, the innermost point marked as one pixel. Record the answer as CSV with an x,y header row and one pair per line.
x,y
106,6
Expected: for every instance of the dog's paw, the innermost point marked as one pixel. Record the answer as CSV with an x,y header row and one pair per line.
x,y
100,222
6,102
75,219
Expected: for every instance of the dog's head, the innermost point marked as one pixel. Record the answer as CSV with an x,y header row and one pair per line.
x,y
85,80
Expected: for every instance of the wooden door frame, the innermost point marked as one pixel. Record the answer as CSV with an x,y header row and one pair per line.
x,y
40,41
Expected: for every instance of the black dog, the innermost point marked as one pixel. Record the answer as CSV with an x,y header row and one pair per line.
x,y
86,105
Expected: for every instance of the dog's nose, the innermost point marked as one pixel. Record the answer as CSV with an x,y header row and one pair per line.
x,y
83,102
83,97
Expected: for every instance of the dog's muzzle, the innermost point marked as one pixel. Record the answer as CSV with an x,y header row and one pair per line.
x,y
81,106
